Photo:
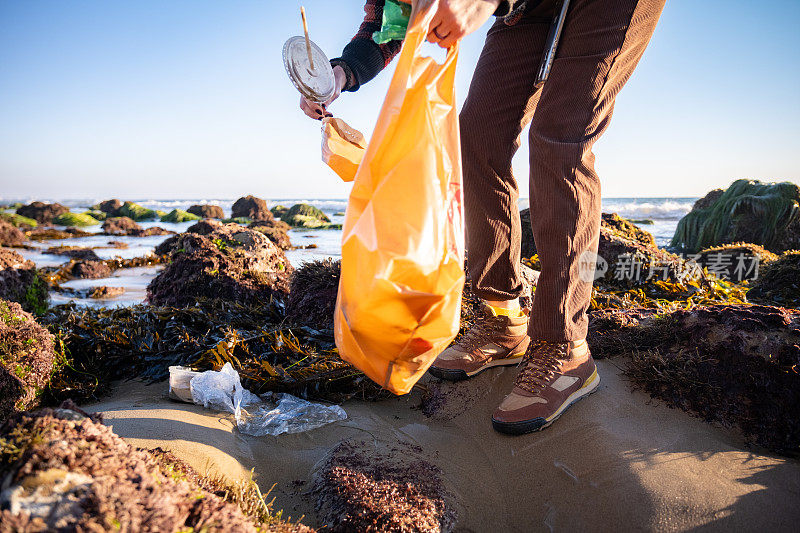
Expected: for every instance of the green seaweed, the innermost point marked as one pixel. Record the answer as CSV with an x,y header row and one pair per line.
x,y
748,211
179,215
75,219
136,212
18,221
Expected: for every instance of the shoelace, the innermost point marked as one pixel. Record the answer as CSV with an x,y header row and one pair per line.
x,y
540,363
477,333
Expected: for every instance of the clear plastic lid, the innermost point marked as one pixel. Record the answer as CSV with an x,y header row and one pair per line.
x,y
315,84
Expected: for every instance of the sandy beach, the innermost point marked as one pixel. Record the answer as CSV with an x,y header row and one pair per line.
x,y
616,461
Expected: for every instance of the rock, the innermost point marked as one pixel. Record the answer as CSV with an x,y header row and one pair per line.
x,y
75,219
18,221
20,282
778,283
625,228
26,359
127,226
230,262
104,292
74,252
312,298
120,226
92,480
109,207
377,487
767,214
90,270
41,212
252,208
10,235
96,214
179,215
242,221
708,200
306,216
47,234
730,364
735,262
275,230
279,210
136,212
207,211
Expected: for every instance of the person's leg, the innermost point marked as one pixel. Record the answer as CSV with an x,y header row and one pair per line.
x,y
601,45
499,105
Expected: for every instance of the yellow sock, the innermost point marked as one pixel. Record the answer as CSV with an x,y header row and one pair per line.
x,y
513,312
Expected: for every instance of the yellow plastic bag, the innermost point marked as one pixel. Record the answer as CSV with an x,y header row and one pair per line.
x,y
342,147
403,245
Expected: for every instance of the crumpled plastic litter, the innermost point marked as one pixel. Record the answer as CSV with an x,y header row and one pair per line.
x,y
291,415
223,391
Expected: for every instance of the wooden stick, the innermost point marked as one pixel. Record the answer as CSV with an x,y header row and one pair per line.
x,y
308,42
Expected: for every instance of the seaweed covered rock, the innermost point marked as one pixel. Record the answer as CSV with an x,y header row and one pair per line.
x,y
26,359
109,207
626,228
10,235
731,364
18,221
275,230
306,216
312,297
74,252
65,471
230,262
83,269
104,292
279,210
750,211
737,262
120,226
778,283
135,211
207,211
179,215
361,488
41,212
252,208
21,282
75,220
47,234
96,214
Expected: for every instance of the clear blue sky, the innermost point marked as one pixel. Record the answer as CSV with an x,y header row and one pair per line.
x,y
189,98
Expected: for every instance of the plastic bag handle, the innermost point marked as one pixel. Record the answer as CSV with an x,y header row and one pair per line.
x,y
422,12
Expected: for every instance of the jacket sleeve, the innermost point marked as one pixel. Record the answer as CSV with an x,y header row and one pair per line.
x,y
362,59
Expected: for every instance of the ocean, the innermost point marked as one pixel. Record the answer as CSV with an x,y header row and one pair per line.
x,y
663,212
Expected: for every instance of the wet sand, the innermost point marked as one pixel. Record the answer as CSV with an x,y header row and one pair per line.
x,y
616,460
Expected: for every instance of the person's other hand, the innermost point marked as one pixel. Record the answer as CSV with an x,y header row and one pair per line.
x,y
317,111
456,18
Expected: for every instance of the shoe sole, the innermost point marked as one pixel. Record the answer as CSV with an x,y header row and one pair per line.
x,y
537,424
452,374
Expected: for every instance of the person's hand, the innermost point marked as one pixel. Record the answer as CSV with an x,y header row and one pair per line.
x,y
317,111
456,18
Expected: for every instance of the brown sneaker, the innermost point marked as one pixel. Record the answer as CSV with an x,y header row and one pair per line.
x,y
495,340
552,377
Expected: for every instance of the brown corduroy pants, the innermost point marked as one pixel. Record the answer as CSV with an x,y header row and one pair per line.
x,y
601,44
